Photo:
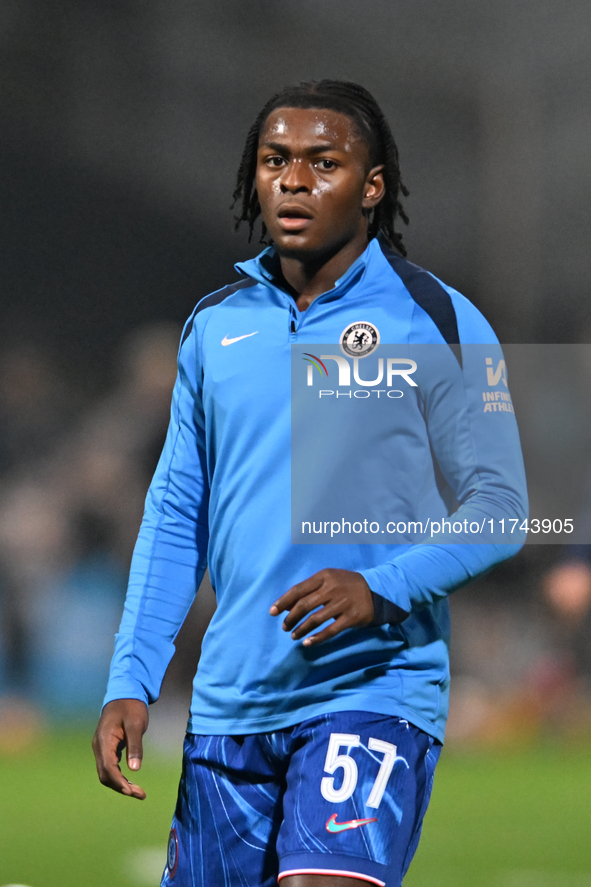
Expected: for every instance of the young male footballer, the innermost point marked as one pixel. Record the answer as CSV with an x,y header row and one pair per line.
x,y
320,700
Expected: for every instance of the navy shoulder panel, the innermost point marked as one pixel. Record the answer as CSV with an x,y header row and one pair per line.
x,y
215,299
428,294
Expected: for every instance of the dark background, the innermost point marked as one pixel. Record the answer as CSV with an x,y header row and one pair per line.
x,y
123,124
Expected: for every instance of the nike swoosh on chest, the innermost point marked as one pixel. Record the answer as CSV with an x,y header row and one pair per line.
x,y
227,341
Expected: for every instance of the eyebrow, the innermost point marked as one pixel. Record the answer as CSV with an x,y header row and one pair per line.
x,y
284,149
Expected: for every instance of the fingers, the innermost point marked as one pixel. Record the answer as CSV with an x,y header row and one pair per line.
x,y
343,618
329,632
330,610
287,601
134,791
106,753
122,725
331,594
111,776
134,730
306,605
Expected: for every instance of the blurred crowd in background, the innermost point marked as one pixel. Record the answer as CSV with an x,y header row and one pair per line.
x,y
123,125
74,473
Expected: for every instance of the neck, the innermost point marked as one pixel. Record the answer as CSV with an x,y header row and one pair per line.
x,y
311,276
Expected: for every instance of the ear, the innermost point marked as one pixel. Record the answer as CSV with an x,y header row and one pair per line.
x,y
374,187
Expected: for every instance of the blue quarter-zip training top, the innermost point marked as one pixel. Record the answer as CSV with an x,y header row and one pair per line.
x,y
221,497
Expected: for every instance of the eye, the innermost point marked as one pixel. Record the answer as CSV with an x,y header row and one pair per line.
x,y
325,164
275,161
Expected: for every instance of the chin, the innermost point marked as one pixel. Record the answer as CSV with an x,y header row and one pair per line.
x,y
292,248
312,253
293,251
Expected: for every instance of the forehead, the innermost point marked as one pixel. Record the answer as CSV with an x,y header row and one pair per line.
x,y
311,125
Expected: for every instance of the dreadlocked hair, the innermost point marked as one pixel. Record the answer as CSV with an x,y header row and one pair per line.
x,y
360,106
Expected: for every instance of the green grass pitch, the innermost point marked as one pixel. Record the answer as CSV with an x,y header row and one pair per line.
x,y
510,819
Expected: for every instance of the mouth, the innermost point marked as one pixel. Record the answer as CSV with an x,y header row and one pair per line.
x,y
294,218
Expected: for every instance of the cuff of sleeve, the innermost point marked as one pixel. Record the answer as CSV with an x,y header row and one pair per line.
x,y
385,612
125,688
387,581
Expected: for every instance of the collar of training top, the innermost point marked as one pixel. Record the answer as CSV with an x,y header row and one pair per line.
x,y
266,270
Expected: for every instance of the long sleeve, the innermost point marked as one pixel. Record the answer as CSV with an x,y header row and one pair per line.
x,y
171,551
478,453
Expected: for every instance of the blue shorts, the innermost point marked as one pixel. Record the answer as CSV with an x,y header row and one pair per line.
x,y
339,794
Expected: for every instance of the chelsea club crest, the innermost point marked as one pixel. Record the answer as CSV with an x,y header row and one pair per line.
x,y
359,339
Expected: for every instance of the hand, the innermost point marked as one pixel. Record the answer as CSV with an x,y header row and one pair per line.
x,y
122,724
342,595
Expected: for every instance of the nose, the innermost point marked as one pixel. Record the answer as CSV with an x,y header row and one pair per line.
x,y
295,178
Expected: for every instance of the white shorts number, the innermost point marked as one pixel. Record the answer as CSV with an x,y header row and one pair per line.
x,y
334,760
379,787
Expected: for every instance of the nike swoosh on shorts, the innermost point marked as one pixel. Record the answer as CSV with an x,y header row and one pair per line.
x,y
333,826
